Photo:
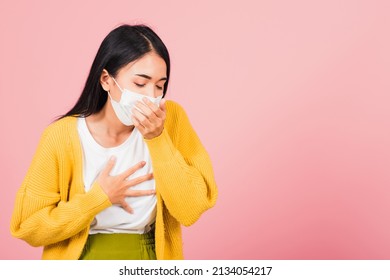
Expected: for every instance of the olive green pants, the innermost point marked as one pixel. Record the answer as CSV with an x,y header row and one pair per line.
x,y
120,246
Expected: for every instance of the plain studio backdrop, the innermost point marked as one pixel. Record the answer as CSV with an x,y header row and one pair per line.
x,y
290,99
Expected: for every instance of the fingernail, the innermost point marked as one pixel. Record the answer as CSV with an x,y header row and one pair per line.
x,y
112,158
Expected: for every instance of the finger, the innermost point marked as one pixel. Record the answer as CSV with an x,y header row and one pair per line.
x,y
158,111
138,125
138,180
127,207
145,109
148,112
110,164
163,105
135,193
141,118
136,122
132,169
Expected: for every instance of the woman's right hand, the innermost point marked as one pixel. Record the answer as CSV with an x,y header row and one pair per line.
x,y
117,187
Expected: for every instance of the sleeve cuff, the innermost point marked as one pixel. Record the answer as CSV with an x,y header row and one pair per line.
x,y
97,199
161,148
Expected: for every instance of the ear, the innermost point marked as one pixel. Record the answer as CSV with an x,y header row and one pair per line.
x,y
105,80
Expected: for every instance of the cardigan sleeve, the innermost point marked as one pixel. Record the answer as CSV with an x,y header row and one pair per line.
x,y
182,168
40,217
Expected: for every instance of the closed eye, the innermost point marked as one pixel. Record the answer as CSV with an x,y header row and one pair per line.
x,y
139,85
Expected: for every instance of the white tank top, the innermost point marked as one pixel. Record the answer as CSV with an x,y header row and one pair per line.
x,y
95,157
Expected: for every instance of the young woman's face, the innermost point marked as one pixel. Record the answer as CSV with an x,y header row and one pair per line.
x,y
146,76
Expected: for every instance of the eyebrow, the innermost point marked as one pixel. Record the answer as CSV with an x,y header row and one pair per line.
x,y
149,78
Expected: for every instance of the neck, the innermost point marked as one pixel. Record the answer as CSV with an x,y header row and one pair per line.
x,y
108,122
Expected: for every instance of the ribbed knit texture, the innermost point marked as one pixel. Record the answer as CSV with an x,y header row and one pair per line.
x,y
53,210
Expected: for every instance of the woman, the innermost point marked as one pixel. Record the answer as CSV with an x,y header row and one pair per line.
x,y
116,176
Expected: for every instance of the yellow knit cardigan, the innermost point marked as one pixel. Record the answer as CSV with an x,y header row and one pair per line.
x,y
53,210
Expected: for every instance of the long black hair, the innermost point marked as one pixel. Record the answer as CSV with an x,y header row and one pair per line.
x,y
121,46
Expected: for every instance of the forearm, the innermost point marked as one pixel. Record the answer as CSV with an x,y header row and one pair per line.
x,y
42,220
187,186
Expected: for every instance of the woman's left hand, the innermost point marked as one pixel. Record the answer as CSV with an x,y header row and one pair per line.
x,y
150,122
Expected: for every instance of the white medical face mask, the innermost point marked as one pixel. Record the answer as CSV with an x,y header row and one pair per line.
x,y
123,108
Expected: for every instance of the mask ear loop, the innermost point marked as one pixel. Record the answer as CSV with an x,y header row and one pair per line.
x,y
116,83
117,86
108,92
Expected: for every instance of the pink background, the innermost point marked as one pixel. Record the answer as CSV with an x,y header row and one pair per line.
x,y
291,99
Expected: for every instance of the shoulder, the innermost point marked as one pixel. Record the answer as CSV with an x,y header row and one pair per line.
x,y
177,120
173,106
175,111
60,129
61,125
